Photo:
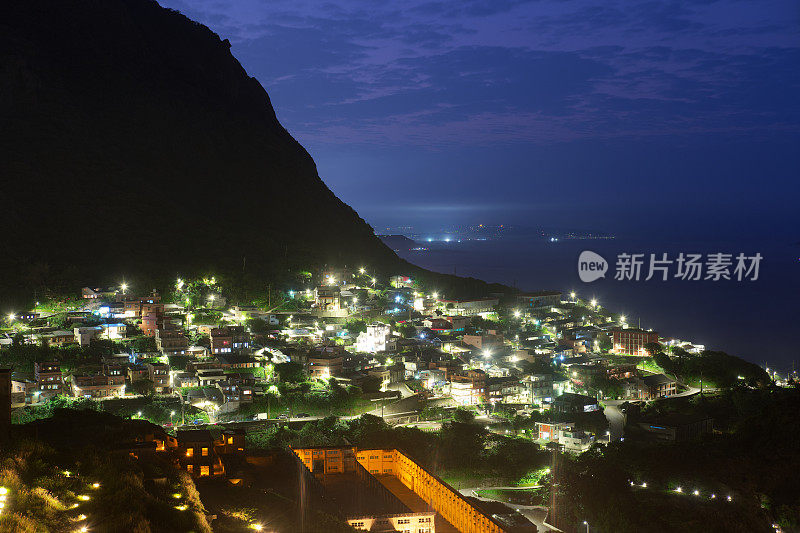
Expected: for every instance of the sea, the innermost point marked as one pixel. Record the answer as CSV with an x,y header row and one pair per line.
x,y
756,319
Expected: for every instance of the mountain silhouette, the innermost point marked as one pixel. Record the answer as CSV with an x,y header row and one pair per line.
x,y
133,143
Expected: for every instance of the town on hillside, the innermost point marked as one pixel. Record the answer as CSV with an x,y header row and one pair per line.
x,y
214,382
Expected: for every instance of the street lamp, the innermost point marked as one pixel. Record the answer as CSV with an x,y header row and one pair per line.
x,y
362,270
572,295
11,317
124,287
585,523
594,302
516,313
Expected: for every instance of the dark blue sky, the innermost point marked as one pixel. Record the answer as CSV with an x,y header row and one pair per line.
x,y
671,117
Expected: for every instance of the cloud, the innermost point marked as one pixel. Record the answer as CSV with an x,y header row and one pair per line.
x,y
435,73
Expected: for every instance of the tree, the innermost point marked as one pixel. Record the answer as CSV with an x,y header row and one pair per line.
x,y
290,372
144,344
653,348
371,384
145,387
463,416
355,326
604,342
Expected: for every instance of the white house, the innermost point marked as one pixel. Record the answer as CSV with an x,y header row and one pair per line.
x,y
375,339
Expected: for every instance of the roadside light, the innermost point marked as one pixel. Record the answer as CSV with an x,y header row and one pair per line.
x,y
679,489
622,318
696,492
572,295
84,497
11,317
435,295
713,496
139,414
124,287
361,270
257,527
95,485
594,302
176,495
374,281
644,485
729,498
516,313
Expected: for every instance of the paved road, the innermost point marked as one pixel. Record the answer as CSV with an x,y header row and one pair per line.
x,y
534,513
616,421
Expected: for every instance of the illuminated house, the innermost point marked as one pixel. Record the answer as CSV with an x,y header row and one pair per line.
x,y
327,298
115,331
102,386
631,340
201,453
229,340
539,302
469,388
324,365
570,403
655,386
171,342
48,377
158,373
85,335
374,339
487,341
479,306
446,323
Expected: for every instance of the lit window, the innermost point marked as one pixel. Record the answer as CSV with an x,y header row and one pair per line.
x,y
204,470
189,452
204,452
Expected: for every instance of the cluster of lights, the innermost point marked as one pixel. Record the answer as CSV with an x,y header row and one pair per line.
x,y
3,497
679,490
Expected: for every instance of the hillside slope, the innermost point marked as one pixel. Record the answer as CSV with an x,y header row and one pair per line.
x,y
132,140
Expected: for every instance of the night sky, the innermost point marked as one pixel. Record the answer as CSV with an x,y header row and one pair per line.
x,y
676,118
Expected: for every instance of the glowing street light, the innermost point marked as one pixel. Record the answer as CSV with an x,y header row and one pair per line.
x,y
696,492
679,489
374,281
179,284
362,270
124,287
572,295
257,527
435,295
516,313
11,317
585,523
593,302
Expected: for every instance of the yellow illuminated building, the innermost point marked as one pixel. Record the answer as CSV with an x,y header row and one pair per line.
x,y
391,466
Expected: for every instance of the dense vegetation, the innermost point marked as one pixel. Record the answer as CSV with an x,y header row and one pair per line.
x,y
715,369
60,475
753,460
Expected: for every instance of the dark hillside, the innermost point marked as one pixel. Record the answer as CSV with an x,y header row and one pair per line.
x,y
132,140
